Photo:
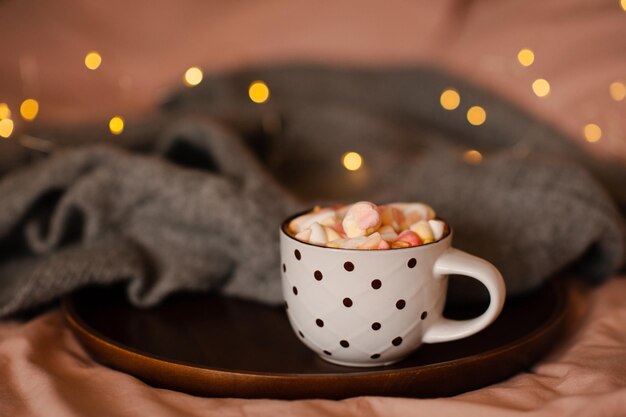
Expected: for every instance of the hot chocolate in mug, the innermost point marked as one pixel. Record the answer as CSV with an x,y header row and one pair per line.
x,y
374,307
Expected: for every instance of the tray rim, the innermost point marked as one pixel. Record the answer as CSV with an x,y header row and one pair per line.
x,y
554,321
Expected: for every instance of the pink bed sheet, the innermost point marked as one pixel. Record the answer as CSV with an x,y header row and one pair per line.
x,y
45,372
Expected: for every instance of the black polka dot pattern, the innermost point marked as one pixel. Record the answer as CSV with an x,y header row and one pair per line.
x,y
375,284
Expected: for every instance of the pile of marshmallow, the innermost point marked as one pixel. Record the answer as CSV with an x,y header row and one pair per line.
x,y
365,225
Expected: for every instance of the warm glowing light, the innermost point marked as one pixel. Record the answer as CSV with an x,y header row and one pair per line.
x,y
526,57
352,161
116,125
450,99
259,92
476,115
623,4
473,157
541,87
6,128
29,109
193,77
5,111
618,89
93,60
592,132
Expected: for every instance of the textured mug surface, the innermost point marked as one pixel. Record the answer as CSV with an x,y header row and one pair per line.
x,y
375,307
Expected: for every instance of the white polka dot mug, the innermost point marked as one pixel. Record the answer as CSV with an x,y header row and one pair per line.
x,y
374,307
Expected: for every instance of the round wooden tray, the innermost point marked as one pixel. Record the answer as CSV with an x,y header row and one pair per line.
x,y
227,347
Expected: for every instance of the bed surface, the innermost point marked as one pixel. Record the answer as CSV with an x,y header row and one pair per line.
x,y
46,372
43,369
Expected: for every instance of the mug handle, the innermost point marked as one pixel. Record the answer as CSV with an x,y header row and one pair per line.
x,y
454,261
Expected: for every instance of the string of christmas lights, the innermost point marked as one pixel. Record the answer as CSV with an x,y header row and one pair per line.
x,y
259,93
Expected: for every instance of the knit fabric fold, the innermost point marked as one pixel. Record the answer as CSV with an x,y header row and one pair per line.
x,y
192,199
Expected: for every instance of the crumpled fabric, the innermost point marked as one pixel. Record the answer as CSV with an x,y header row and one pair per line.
x,y
191,198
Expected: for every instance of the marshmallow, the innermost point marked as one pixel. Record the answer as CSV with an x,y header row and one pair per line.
x,y
339,229
423,230
338,243
411,217
325,217
409,237
438,227
318,235
388,233
372,241
361,219
354,243
383,245
304,235
331,234
391,216
363,225
414,212
424,210
399,245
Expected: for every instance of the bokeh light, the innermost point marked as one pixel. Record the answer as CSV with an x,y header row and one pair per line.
x,y
623,4
541,87
526,57
259,92
476,115
6,128
617,90
93,60
352,161
472,157
29,109
116,125
450,99
5,111
592,132
193,76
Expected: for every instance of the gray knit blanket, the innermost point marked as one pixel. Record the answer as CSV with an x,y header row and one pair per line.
x,y
191,198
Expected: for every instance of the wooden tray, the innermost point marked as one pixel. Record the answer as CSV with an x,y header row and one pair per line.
x,y
227,347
